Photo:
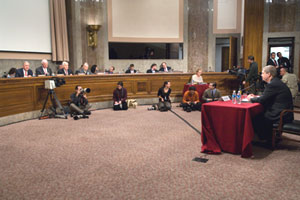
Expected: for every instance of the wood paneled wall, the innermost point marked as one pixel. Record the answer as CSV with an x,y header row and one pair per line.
x,y
19,95
253,31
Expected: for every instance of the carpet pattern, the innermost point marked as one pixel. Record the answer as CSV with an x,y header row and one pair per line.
x,y
136,154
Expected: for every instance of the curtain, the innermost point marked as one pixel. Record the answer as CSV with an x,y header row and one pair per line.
x,y
59,32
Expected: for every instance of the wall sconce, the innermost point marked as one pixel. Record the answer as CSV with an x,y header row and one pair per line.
x,y
92,35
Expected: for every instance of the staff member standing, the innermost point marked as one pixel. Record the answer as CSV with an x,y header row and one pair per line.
x,y
252,75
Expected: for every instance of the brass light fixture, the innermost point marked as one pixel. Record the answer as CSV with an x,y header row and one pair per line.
x,y
92,35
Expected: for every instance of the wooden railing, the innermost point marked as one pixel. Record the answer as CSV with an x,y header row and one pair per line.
x,y
19,95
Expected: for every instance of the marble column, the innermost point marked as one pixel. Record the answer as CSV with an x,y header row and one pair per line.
x,y
198,35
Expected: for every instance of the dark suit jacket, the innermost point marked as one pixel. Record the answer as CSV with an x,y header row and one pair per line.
x,y
253,70
270,62
150,71
128,71
20,72
62,71
162,69
40,71
208,95
284,62
276,97
88,72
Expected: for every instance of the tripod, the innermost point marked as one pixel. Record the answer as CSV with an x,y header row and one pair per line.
x,y
55,104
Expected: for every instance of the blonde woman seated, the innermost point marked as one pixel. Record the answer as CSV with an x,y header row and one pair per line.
x,y
197,78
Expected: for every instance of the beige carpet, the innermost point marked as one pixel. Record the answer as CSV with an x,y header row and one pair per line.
x,y
136,154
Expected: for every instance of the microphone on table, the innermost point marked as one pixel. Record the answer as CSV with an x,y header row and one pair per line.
x,y
250,86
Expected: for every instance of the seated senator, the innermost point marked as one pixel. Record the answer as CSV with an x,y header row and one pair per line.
x,y
153,69
44,69
197,78
164,67
111,70
79,103
120,97
95,69
25,71
211,93
11,73
275,98
65,69
131,69
163,94
190,100
85,69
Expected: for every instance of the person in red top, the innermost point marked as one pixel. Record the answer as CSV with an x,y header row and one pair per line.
x,y
191,100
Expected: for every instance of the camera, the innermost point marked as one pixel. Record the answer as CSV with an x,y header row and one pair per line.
x,y
54,82
85,90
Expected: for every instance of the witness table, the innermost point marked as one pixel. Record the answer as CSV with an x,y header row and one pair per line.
x,y
199,88
228,127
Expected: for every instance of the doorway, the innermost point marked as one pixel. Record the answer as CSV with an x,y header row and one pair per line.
x,y
226,54
283,45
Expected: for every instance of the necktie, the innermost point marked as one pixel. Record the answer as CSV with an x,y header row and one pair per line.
x,y
275,62
45,71
26,73
212,94
66,72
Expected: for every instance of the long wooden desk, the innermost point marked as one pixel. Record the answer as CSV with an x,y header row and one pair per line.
x,y
19,95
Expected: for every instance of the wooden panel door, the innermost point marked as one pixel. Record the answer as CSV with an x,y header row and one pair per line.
x,y
225,58
232,52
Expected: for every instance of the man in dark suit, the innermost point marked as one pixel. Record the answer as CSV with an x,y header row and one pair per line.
x,y
276,98
85,69
211,93
153,69
283,62
25,71
65,70
131,69
164,67
252,75
273,62
44,69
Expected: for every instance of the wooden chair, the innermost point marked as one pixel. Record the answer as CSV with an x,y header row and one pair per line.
x,y
292,127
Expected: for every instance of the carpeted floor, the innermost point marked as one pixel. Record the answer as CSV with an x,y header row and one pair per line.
x,y
136,154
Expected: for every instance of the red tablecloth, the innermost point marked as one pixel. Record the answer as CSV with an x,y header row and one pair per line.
x,y
199,88
228,127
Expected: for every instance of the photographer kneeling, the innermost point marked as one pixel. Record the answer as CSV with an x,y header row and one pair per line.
x,y
79,104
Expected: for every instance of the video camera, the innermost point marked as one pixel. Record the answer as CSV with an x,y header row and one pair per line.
x,y
54,82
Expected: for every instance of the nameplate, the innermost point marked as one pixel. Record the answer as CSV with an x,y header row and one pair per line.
x,y
225,98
